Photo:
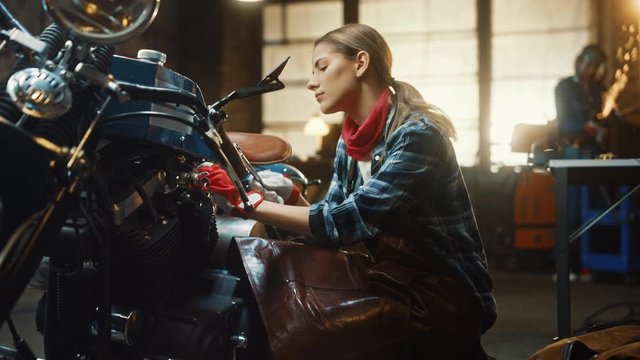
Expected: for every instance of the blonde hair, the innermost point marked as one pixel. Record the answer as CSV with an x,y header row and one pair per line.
x,y
349,39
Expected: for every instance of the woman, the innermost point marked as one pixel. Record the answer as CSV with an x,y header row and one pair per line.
x,y
396,188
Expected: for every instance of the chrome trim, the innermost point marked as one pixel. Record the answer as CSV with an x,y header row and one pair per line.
x,y
121,210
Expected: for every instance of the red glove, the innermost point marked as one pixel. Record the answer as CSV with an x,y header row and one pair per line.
x,y
214,180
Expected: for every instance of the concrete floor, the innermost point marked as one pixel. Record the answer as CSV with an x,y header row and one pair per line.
x,y
526,312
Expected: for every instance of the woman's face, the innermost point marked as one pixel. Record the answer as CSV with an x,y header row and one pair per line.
x,y
333,80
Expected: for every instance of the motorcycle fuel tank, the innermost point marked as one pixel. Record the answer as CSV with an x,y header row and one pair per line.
x,y
154,121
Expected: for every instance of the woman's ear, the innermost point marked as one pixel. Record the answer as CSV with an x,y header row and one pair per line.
x,y
362,63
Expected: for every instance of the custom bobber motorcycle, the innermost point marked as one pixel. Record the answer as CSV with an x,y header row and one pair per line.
x,y
99,156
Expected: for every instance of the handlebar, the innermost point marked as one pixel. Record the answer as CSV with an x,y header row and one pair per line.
x,y
7,21
141,92
232,155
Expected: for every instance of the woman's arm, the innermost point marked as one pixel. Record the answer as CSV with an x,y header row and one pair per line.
x,y
287,217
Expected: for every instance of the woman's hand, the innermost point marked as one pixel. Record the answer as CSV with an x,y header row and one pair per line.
x,y
276,183
214,180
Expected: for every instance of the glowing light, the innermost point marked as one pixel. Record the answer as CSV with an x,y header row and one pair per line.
x,y
316,126
91,8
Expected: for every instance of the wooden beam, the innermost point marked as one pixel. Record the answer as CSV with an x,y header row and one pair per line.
x,y
350,12
483,10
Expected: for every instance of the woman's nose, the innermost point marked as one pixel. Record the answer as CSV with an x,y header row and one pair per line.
x,y
312,83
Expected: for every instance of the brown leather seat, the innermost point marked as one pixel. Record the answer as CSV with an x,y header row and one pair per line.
x,y
261,149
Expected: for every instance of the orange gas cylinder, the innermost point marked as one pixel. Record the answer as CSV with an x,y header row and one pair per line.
x,y
534,211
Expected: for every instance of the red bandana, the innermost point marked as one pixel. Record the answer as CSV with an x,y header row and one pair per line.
x,y
361,139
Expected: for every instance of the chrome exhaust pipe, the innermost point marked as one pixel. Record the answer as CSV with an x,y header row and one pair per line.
x,y
125,324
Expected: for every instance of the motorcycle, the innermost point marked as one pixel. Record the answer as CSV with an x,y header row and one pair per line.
x,y
107,190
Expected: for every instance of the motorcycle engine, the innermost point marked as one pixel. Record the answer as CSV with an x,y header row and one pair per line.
x,y
162,263
165,234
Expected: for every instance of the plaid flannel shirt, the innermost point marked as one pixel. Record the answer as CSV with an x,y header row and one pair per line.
x,y
416,185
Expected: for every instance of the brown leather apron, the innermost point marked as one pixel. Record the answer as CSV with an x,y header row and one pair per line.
x,y
326,304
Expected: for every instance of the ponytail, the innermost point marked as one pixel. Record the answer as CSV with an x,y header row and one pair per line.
x,y
408,99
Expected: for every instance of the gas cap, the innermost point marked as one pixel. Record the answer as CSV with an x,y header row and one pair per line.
x,y
153,56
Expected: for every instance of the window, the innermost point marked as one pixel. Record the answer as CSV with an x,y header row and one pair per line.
x,y
289,30
434,45
531,52
435,48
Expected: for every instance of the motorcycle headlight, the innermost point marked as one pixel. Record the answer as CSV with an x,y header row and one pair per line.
x,y
103,21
